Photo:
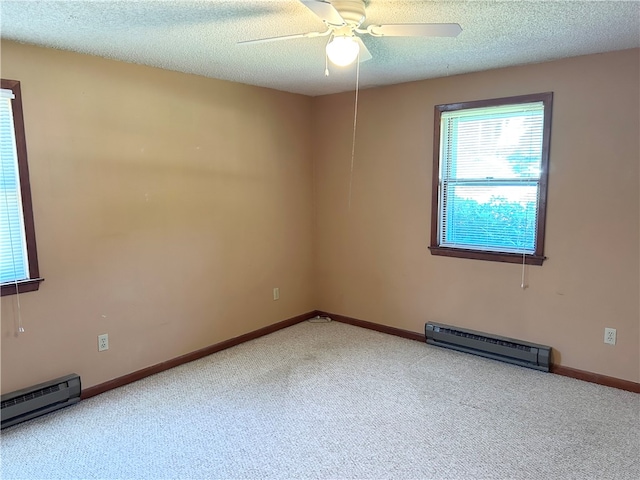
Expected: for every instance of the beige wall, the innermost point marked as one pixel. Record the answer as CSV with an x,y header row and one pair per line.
x,y
372,260
167,207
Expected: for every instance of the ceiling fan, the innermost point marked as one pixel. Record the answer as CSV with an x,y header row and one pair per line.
x,y
343,19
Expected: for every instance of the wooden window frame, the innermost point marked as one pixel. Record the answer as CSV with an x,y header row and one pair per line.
x,y
537,258
34,280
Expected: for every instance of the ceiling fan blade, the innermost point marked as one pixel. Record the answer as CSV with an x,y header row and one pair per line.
x,y
364,53
284,37
415,30
325,11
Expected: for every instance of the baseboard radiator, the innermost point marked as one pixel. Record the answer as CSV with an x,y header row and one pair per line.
x,y
43,398
505,349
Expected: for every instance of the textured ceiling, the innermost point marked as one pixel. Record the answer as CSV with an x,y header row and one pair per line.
x,y
201,37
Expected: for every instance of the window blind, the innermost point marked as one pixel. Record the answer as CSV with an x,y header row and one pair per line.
x,y
13,247
490,170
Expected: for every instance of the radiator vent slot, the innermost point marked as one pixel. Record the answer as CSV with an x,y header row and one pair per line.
x,y
39,399
482,338
30,396
504,349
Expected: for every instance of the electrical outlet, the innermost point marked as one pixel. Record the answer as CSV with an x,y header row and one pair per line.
x,y
276,293
103,342
610,336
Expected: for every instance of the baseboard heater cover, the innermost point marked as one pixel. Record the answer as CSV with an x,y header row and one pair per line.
x,y
40,399
505,349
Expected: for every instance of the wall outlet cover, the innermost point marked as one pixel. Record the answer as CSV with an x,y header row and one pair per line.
x,y
610,336
103,342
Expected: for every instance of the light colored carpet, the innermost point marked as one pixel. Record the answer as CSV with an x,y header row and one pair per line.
x,y
337,401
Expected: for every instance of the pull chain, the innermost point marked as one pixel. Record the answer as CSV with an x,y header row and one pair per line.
x,y
326,64
355,119
15,276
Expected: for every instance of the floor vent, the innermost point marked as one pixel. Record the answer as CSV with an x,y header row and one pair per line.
x,y
504,349
43,398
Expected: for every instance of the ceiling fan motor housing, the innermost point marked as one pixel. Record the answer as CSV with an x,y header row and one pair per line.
x,y
352,11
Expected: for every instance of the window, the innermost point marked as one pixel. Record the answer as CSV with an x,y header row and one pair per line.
x,y
18,258
490,172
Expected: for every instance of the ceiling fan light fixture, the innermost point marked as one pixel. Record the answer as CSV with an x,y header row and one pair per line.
x,y
342,50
